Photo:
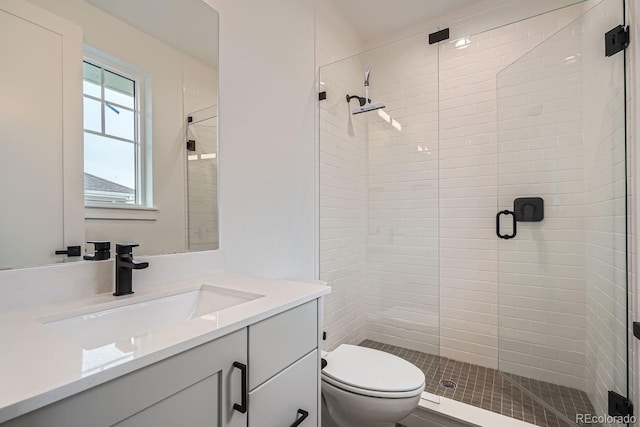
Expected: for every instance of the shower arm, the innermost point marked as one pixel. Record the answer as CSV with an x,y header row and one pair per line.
x,y
360,99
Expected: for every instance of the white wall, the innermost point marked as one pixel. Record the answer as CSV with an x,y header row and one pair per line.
x,y
200,85
267,157
478,17
336,36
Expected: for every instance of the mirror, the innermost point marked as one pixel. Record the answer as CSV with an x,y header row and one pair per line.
x,y
149,90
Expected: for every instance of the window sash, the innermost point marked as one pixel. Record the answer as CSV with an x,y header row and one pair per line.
x,y
139,189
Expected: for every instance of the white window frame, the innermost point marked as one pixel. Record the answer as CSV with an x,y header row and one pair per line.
x,y
144,200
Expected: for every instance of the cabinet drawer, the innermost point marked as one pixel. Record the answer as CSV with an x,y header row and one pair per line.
x,y
277,342
276,403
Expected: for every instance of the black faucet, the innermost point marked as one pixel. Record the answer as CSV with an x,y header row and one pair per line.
x,y
124,268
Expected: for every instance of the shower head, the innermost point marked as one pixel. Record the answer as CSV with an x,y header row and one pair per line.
x,y
365,104
369,106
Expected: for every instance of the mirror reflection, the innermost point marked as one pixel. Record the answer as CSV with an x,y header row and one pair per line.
x,y
202,177
147,128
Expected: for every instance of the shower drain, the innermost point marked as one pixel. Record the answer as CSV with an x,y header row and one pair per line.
x,y
448,384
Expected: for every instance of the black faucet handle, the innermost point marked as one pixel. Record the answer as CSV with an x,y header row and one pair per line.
x,y
102,250
100,245
125,248
139,265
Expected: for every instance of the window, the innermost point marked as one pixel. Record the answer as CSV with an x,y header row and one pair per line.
x,y
112,136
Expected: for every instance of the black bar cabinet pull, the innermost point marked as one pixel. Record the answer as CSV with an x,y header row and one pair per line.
x,y
506,236
303,416
242,408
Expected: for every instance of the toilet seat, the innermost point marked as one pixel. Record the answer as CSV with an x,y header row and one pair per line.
x,y
373,393
374,373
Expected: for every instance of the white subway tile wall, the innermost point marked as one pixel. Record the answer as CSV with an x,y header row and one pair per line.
x,y
402,287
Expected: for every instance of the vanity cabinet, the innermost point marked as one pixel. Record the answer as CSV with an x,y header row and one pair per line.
x,y
276,360
194,389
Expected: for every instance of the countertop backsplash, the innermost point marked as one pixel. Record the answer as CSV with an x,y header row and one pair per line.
x,y
42,285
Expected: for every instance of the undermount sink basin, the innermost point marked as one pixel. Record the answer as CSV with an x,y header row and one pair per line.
x,y
142,316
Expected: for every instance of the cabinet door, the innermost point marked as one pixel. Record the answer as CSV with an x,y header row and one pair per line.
x,y
195,406
277,402
196,388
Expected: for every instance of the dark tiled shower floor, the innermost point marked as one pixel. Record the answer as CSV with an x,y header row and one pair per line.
x,y
488,389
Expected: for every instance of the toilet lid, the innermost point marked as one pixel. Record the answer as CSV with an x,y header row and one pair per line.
x,y
368,369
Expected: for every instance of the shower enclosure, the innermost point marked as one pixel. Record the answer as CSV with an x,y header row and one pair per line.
x,y
479,220
202,179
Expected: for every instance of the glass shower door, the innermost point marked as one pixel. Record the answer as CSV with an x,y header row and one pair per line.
x,y
561,223
379,203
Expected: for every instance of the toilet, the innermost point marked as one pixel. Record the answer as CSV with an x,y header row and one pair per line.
x,y
366,387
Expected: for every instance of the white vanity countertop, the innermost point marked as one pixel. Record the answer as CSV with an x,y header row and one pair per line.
x,y
40,366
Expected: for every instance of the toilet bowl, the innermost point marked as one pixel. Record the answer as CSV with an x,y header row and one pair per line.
x,y
366,387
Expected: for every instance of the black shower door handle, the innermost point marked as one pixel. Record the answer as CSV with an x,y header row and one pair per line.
x,y
506,236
